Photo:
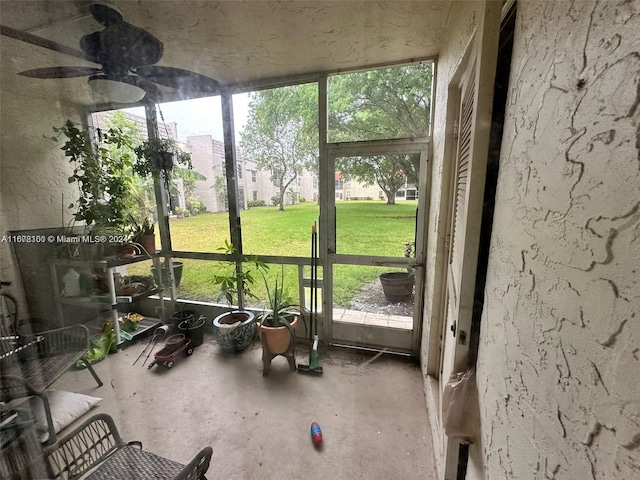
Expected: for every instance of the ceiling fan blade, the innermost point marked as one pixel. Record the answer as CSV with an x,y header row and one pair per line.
x,y
179,79
43,42
60,72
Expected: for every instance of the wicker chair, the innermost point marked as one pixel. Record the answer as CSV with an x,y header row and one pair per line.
x,y
95,451
31,358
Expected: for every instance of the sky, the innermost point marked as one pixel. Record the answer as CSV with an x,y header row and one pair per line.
x,y
201,116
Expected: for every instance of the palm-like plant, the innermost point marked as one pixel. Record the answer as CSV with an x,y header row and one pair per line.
x,y
280,310
140,229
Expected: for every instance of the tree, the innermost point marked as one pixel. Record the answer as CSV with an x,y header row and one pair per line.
x,y
391,103
377,104
281,133
386,103
384,170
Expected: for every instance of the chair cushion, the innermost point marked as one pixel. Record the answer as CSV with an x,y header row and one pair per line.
x,y
66,407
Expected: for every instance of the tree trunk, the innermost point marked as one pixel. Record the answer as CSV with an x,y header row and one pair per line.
x,y
282,191
391,195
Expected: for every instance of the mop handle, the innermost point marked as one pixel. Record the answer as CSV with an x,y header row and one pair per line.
x,y
315,280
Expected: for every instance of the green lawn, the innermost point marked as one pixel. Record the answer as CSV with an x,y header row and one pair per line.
x,y
363,227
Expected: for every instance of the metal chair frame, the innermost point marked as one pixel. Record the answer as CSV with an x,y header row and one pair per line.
x,y
95,449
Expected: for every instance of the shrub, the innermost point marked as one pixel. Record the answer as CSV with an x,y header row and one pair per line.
x,y
302,199
257,203
196,207
275,200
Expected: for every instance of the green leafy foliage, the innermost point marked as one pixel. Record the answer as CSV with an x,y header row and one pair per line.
x,y
100,161
388,103
141,188
137,230
159,154
376,104
392,102
281,134
239,274
280,309
195,206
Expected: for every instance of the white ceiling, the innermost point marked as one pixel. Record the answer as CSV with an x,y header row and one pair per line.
x,y
235,42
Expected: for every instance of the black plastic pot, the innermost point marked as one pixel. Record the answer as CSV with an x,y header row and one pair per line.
x,y
177,273
193,329
178,317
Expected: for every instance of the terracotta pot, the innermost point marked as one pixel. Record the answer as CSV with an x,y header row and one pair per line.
x,y
148,242
126,250
276,339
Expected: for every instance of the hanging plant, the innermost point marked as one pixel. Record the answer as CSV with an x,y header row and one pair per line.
x,y
159,155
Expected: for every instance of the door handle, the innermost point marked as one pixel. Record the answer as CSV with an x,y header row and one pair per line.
x,y
454,327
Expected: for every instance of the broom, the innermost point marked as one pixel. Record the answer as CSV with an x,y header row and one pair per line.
x,y
313,367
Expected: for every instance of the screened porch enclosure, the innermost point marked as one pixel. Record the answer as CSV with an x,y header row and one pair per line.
x,y
361,190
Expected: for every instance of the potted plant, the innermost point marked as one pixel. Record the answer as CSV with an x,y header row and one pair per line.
x,y
159,155
278,323
143,234
192,326
398,286
236,329
162,277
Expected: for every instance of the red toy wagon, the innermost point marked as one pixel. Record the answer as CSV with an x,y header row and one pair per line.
x,y
174,346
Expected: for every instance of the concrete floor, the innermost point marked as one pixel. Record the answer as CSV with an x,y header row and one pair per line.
x,y
371,410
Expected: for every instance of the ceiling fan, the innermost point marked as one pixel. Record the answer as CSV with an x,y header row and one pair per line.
x,y
127,55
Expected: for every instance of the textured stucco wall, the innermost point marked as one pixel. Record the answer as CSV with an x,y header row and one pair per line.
x,y
560,342
33,170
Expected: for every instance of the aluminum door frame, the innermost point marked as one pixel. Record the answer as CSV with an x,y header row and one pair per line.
x,y
401,341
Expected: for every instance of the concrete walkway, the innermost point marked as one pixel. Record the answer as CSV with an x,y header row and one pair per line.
x,y
375,319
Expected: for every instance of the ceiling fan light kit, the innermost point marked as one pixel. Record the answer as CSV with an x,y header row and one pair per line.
x,y
116,91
